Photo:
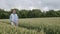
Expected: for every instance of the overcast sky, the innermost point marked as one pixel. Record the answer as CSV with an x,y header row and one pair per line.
x,y
30,4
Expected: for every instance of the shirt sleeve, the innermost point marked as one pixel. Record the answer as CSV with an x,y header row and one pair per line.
x,y
17,16
11,17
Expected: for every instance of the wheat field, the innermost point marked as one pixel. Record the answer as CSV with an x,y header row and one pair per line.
x,y
31,26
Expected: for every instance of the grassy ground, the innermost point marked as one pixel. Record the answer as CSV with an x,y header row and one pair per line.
x,y
31,26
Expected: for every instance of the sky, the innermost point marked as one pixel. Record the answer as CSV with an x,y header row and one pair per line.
x,y
30,4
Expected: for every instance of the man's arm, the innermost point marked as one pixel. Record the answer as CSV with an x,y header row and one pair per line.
x,y
11,18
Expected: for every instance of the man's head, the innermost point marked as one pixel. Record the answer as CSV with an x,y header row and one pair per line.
x,y
14,11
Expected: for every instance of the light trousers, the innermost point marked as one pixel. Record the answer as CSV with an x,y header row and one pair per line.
x,y
14,23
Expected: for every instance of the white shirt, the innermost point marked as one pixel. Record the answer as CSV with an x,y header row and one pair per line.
x,y
13,18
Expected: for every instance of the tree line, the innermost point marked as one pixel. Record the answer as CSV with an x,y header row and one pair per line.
x,y
35,13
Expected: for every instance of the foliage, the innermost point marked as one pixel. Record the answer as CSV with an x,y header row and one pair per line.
x,y
35,13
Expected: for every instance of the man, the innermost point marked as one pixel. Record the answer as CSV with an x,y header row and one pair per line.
x,y
14,18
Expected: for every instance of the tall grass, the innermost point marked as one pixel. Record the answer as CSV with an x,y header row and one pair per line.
x,y
32,26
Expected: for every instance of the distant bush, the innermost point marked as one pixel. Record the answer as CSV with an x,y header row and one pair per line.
x,y
35,13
